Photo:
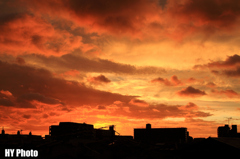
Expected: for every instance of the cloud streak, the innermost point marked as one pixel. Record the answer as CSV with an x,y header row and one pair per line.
x,y
84,64
228,93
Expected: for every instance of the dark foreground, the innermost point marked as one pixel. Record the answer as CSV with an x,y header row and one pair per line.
x,y
128,149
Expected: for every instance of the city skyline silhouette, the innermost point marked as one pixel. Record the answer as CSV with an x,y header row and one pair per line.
x,y
74,140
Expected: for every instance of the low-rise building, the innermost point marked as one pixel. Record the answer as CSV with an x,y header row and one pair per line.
x,y
161,135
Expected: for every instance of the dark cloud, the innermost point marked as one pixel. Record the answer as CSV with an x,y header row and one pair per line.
x,y
129,17
140,103
215,72
115,17
26,116
229,67
230,62
162,3
189,106
207,15
191,79
53,114
161,80
6,102
45,116
27,84
20,60
213,10
99,79
101,107
232,73
191,92
37,41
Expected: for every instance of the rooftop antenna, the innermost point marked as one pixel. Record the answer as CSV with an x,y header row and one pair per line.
x,y
3,131
229,120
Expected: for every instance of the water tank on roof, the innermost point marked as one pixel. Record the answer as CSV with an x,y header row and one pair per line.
x,y
148,126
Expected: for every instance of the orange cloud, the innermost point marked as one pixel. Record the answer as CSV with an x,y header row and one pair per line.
x,y
138,19
70,73
174,81
30,34
211,84
190,80
189,106
7,93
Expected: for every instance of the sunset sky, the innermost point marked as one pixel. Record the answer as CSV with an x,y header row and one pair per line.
x,y
127,63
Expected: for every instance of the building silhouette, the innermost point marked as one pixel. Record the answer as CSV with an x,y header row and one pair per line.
x,y
19,138
71,129
79,130
81,140
101,133
161,135
225,131
3,131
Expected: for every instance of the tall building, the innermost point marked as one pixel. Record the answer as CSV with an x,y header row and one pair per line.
x,y
225,131
161,135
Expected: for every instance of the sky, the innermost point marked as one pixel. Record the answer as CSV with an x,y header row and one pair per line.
x,y
126,63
